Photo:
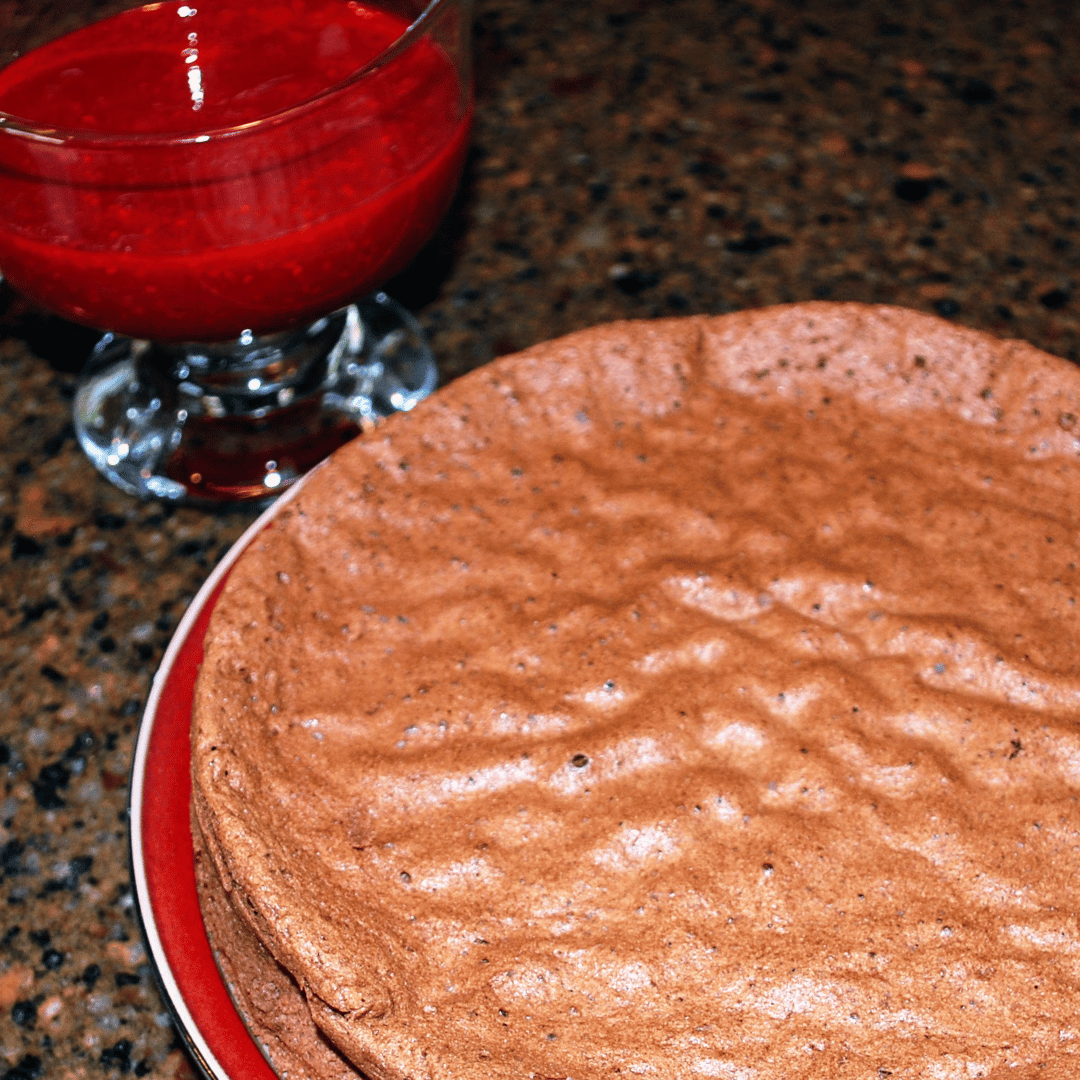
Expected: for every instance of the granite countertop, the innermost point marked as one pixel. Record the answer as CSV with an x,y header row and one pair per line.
x,y
631,160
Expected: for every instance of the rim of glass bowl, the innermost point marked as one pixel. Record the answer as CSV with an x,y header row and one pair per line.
x,y
42,133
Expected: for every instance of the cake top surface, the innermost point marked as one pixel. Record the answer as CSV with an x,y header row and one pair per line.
x,y
675,699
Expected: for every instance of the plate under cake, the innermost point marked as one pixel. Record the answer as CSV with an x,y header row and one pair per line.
x,y
689,698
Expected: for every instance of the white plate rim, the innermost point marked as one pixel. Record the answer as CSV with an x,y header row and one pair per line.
x,y
188,1028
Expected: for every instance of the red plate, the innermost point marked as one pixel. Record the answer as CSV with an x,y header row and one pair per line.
x,y
162,858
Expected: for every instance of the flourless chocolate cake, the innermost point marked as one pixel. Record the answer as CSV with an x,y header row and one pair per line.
x,y
690,698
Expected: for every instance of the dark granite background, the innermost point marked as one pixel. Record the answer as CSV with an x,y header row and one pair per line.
x,y
631,159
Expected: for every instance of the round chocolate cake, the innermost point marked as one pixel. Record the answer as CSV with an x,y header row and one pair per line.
x,y
691,698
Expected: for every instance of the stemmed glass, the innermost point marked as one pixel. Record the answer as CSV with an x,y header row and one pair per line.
x,y
216,185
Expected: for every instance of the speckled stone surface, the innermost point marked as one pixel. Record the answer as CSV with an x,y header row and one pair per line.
x,y
630,159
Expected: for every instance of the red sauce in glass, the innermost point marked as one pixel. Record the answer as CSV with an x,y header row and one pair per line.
x,y
163,217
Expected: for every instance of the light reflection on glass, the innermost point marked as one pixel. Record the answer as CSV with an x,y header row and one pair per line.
x,y
191,57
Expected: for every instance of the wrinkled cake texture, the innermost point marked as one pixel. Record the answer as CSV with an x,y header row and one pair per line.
x,y
693,698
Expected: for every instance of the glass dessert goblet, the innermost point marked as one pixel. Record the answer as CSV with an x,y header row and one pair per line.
x,y
215,185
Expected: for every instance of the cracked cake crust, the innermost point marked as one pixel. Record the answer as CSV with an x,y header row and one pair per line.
x,y
687,698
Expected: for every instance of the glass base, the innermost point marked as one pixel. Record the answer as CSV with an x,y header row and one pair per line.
x,y
242,420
